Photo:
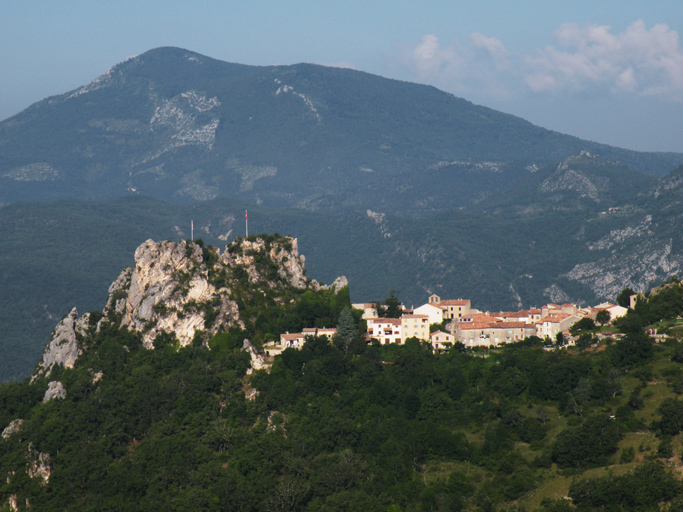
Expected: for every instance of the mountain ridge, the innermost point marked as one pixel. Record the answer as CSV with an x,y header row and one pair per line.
x,y
183,127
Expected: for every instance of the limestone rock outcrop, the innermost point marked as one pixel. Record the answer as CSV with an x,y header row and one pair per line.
x,y
185,291
55,389
63,348
165,292
257,361
39,464
339,283
13,428
286,256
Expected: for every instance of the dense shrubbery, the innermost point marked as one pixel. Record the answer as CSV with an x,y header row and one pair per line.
x,y
345,425
640,491
665,303
591,443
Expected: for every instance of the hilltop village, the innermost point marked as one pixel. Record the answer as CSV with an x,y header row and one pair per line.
x,y
442,323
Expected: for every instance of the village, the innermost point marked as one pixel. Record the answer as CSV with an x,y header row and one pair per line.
x,y
443,323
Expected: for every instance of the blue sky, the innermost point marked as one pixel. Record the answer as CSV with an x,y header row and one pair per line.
x,y
609,71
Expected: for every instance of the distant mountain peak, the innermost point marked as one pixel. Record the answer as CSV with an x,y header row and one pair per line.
x,y
170,122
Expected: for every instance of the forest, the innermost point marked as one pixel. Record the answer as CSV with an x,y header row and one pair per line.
x,y
347,424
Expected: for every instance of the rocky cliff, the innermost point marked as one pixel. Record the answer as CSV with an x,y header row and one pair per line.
x,y
187,292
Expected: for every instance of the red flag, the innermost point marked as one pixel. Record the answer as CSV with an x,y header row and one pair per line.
x,y
245,215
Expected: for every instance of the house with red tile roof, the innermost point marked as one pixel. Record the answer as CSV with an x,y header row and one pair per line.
x,y
319,331
550,325
523,315
433,311
452,309
492,334
613,310
369,309
385,330
298,339
554,309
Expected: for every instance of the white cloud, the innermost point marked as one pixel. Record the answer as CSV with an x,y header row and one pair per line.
x,y
642,61
495,49
459,67
429,57
638,60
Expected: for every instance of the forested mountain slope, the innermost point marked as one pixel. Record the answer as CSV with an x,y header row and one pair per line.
x,y
183,127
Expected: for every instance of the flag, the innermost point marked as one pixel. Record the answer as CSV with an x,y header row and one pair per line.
x,y
245,215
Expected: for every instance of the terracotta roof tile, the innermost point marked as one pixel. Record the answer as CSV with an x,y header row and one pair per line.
x,y
291,336
439,332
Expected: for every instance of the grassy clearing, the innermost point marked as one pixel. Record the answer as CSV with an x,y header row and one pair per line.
x,y
440,471
555,483
653,394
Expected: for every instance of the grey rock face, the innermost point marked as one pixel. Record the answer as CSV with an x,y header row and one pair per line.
x,y
63,348
183,290
257,361
170,283
339,283
164,292
631,257
55,389
289,261
39,464
12,428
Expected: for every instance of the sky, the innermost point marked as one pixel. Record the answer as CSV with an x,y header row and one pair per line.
x,y
608,71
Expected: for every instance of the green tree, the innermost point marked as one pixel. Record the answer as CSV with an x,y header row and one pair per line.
x,y
590,443
648,487
559,339
633,349
603,317
584,341
390,307
671,423
585,324
346,328
624,298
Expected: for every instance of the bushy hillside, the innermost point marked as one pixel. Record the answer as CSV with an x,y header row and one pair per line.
x,y
341,424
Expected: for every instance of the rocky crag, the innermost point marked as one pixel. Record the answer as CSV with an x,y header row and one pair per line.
x,y
186,291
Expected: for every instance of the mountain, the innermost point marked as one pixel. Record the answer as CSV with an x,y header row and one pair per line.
x,y
390,183
182,127
163,400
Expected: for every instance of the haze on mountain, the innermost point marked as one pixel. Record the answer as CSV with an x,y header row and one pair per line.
x,y
183,127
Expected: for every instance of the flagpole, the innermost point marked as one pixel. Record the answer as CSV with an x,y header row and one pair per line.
x,y
246,222
191,231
